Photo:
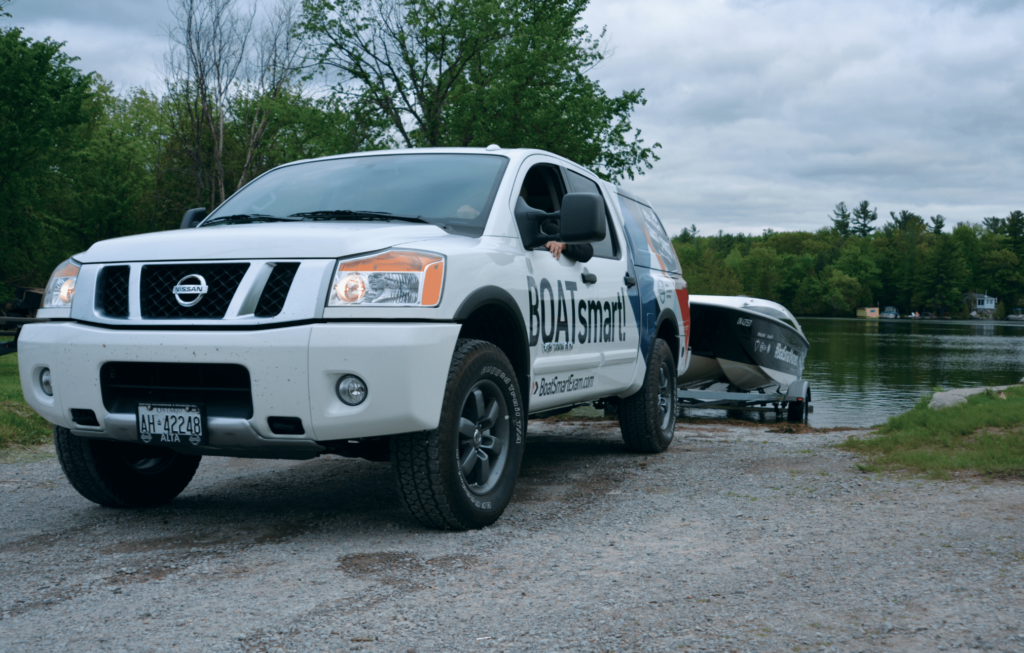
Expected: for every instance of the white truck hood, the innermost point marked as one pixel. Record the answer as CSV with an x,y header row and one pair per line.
x,y
283,240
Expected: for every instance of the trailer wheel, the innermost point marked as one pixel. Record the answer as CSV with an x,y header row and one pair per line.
x,y
797,410
648,418
462,474
123,474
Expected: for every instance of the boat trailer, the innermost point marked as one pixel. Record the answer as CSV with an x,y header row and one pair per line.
x,y
796,401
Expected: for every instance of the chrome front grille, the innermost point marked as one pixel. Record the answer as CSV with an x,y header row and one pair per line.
x,y
112,287
245,293
158,281
276,291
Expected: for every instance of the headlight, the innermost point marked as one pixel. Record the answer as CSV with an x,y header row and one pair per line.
x,y
60,290
394,278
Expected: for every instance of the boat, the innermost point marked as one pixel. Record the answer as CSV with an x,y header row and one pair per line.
x,y
890,313
743,342
1017,315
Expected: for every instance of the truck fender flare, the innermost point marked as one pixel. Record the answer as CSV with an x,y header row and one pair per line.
x,y
497,296
491,295
668,315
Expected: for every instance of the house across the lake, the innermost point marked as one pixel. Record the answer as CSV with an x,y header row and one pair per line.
x,y
980,302
870,313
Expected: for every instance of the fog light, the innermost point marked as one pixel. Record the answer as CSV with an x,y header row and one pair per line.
x,y
351,390
45,383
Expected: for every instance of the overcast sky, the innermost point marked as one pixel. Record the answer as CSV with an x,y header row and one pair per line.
x,y
768,111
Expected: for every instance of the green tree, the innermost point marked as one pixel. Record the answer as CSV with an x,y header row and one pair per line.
x,y
942,275
832,293
856,262
906,220
861,219
796,268
1000,274
41,108
993,224
705,271
897,249
761,271
841,220
475,72
968,236
1013,228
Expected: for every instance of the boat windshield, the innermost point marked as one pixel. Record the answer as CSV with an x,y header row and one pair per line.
x,y
778,313
452,191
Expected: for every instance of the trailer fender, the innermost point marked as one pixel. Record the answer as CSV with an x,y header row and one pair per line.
x,y
799,390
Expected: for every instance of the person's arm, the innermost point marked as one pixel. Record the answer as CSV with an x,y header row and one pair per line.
x,y
581,253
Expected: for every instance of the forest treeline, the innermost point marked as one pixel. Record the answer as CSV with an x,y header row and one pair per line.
x,y
907,262
245,90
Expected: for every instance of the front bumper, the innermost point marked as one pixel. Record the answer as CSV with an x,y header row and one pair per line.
x,y
293,371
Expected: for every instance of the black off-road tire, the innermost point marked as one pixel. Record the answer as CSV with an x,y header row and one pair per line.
x,y
648,418
427,465
123,474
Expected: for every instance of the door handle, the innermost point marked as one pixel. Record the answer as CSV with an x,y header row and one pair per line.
x,y
589,278
629,280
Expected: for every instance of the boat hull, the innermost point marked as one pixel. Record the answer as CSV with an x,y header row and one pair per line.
x,y
743,348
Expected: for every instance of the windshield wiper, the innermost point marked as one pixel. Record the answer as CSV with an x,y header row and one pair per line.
x,y
346,214
243,218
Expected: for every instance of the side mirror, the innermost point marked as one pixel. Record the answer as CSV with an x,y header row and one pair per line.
x,y
192,218
535,226
583,218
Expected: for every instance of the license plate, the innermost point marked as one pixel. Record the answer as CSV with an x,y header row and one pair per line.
x,y
171,424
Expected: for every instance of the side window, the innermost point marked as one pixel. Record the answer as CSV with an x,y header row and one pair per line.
x,y
542,189
580,184
648,239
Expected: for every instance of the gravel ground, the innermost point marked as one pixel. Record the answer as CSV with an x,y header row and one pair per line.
x,y
736,539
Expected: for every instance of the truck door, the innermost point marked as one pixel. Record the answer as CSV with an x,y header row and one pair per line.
x,y
583,336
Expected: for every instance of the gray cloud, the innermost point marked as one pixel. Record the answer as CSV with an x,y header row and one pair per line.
x,y
122,40
769,111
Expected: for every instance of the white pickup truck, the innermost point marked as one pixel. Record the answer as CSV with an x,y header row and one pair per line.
x,y
396,305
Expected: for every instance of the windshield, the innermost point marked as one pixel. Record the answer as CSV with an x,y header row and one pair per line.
x,y
454,191
778,313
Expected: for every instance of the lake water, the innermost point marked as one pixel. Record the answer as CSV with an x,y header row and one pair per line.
x,y
863,371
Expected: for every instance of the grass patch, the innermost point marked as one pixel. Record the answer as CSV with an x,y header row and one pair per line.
x,y
19,424
984,435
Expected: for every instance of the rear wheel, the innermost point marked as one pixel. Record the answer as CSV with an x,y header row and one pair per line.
x,y
462,474
123,474
648,418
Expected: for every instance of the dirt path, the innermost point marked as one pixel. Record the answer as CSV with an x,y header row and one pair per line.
x,y
736,539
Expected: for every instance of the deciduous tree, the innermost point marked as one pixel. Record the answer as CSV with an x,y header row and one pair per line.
x,y
42,96
475,72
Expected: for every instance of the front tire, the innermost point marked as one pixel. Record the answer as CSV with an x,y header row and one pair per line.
x,y
461,475
123,474
648,418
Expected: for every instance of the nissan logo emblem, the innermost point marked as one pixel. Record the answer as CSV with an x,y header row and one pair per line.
x,y
189,290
